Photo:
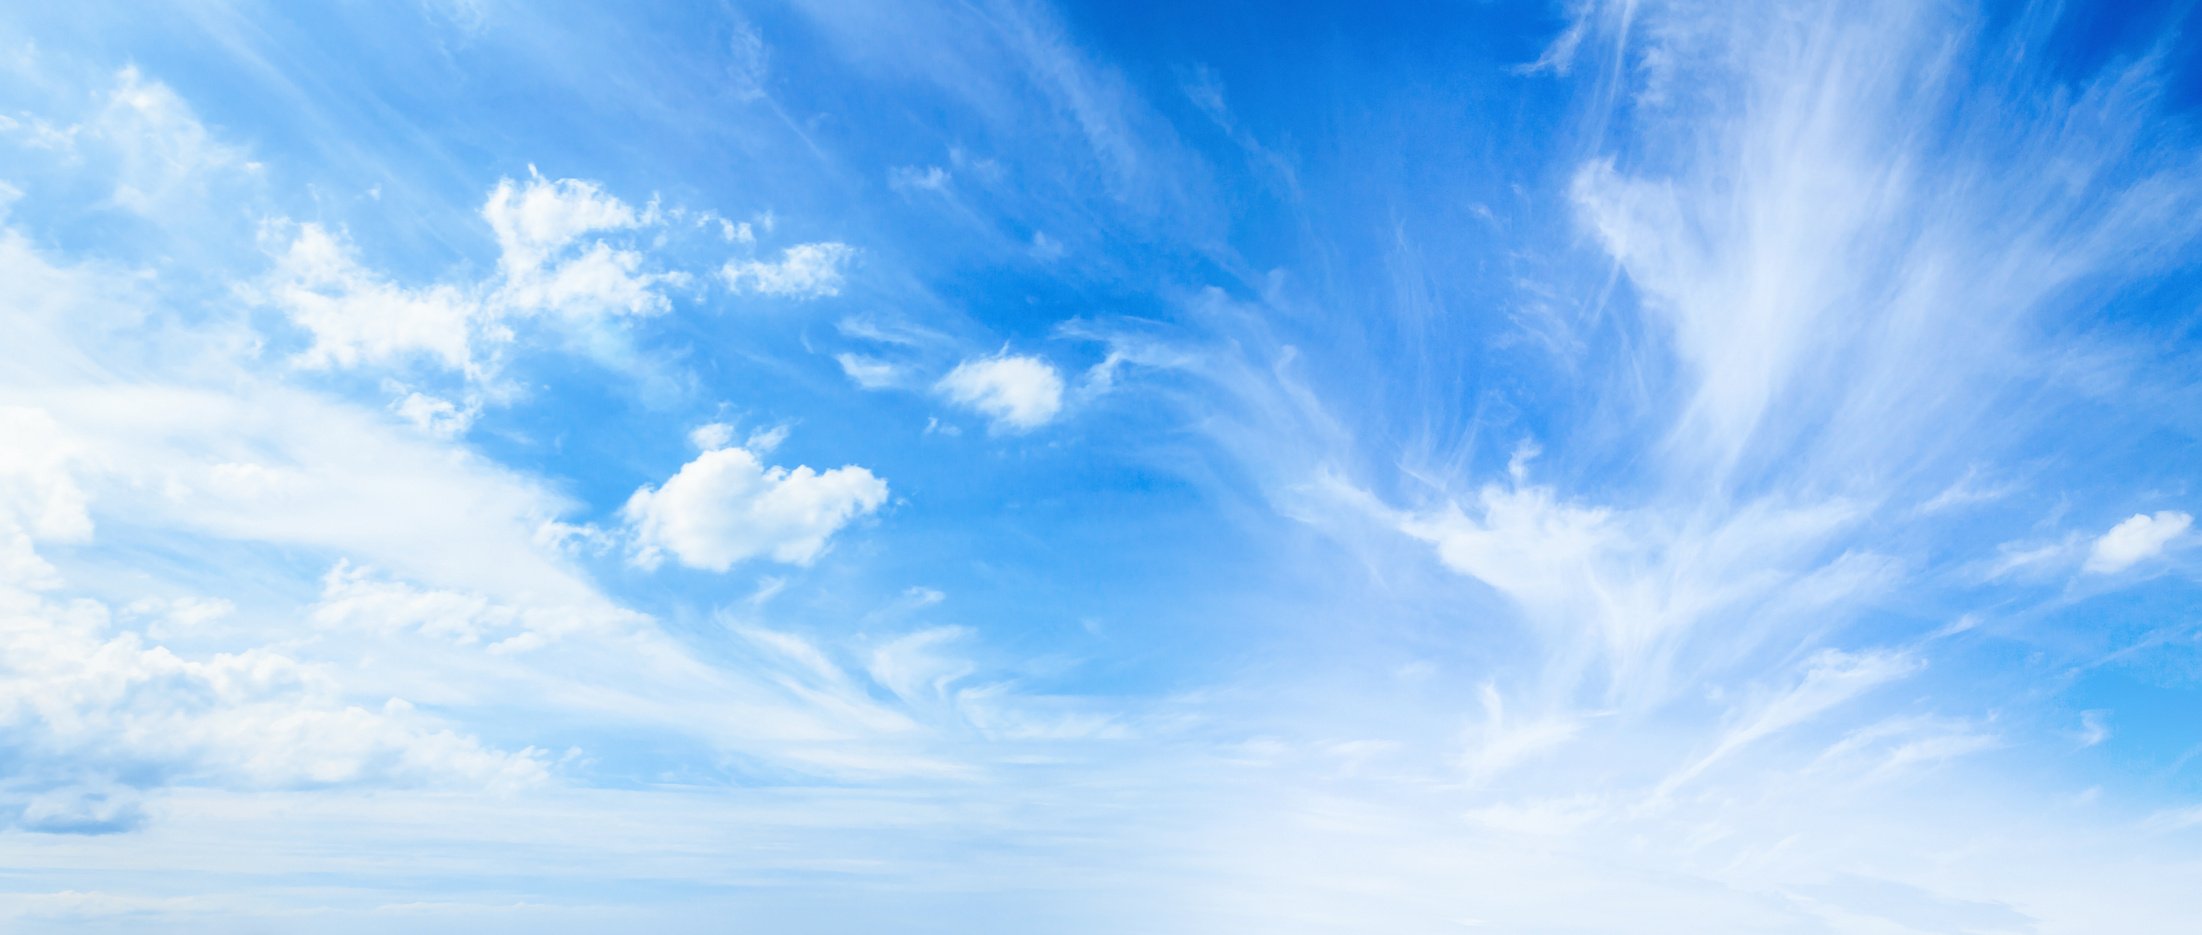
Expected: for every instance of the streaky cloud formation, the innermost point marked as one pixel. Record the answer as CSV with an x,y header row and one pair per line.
x,y
1599,466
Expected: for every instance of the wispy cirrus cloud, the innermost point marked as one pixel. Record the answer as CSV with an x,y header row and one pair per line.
x,y
1691,507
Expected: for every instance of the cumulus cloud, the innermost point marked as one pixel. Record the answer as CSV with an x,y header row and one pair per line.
x,y
435,415
358,317
548,262
726,507
804,271
539,217
2142,536
1017,393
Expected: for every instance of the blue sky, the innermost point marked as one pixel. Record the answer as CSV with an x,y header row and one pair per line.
x,y
990,466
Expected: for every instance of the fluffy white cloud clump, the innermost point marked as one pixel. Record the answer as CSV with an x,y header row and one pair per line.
x,y
726,507
568,251
84,700
804,271
548,262
74,692
357,317
1018,394
537,219
2141,536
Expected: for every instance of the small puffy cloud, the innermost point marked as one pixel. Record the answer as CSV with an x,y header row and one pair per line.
x,y
598,280
570,255
913,666
1018,394
540,217
548,262
714,435
102,809
357,317
764,440
39,497
2031,559
726,507
2094,728
2141,536
804,271
163,618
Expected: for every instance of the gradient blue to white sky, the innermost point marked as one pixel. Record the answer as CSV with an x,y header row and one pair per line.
x,y
984,466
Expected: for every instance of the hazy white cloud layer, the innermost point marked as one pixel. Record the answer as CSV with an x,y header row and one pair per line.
x,y
1606,467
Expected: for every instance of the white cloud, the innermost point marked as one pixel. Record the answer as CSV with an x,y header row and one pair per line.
x,y
764,439
164,618
1017,393
711,435
598,280
749,62
74,694
549,264
870,373
2030,559
2141,536
538,218
359,596
804,271
726,507
1831,677
446,567
435,415
165,155
1612,592
357,317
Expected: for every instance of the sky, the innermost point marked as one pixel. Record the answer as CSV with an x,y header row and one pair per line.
x,y
831,466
